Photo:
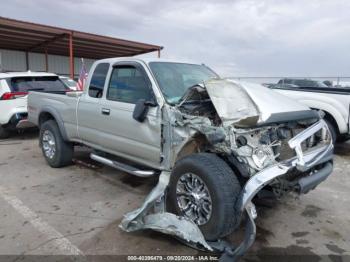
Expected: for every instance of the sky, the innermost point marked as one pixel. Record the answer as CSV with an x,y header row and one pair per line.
x,y
234,37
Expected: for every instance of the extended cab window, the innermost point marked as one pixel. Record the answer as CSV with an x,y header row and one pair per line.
x,y
98,80
128,84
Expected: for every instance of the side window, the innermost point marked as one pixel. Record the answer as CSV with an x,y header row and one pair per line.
x,y
128,84
98,80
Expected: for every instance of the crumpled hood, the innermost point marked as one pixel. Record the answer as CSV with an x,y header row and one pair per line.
x,y
249,104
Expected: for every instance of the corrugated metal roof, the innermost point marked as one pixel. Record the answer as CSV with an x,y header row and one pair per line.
x,y
31,37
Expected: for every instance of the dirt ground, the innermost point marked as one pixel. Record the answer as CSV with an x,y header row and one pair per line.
x,y
76,211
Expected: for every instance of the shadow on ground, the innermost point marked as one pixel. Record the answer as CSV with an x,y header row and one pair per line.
x,y
23,134
342,149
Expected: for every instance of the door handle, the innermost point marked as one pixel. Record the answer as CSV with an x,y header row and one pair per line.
x,y
106,111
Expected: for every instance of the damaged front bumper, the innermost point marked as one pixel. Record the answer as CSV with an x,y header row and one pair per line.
x,y
152,214
303,162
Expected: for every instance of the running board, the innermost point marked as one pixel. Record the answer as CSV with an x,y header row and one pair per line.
x,y
123,167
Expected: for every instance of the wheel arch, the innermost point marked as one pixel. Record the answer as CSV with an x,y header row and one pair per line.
x,y
332,120
200,144
49,113
334,114
194,144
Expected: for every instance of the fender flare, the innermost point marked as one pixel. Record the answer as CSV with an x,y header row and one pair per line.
x,y
331,110
57,117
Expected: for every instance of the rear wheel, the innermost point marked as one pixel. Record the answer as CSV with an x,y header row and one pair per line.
x,y
3,133
57,152
204,189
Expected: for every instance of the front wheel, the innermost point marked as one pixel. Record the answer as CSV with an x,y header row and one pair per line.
x,y
332,130
204,189
57,152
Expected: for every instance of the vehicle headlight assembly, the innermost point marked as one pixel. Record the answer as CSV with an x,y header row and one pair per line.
x,y
262,156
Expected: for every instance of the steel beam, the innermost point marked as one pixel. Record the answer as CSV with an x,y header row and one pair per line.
x,y
47,42
27,61
71,56
46,61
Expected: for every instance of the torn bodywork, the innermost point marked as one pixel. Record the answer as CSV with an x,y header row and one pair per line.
x,y
287,148
162,221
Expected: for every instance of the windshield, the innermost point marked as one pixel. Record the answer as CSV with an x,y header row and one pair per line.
x,y
175,78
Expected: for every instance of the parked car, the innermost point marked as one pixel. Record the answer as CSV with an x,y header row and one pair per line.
x,y
70,83
14,88
214,143
334,102
301,82
341,84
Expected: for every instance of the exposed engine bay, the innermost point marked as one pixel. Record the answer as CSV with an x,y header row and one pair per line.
x,y
254,146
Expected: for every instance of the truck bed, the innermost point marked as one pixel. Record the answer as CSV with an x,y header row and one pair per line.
x,y
62,106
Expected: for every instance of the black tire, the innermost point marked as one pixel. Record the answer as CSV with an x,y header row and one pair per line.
x,y
223,186
332,130
63,150
3,133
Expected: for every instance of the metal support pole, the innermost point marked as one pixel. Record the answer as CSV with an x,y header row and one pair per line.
x,y
27,61
1,62
46,61
71,56
158,53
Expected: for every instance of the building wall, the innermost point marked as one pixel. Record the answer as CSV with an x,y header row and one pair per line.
x,y
16,61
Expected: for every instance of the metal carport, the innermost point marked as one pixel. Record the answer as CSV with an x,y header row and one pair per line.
x,y
38,38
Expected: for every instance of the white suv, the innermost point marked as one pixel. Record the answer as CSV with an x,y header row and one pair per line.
x,y
14,87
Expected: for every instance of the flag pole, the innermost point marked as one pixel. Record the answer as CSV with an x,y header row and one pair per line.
x,y
82,76
82,66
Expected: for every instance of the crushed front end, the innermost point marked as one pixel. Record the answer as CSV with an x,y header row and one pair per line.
x,y
282,147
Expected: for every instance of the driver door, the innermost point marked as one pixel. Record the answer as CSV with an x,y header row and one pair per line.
x,y
122,134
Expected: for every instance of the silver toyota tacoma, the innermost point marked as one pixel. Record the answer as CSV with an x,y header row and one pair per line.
x,y
213,143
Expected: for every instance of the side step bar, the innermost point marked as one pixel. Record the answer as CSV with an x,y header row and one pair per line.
x,y
123,167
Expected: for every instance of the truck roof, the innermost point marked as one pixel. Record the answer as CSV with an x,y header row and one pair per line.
x,y
144,60
23,74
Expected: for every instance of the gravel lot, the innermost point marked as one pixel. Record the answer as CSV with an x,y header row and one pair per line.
x,y
77,210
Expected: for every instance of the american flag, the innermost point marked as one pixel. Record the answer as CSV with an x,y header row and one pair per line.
x,y
82,77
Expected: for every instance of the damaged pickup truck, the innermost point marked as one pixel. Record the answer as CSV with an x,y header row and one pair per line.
x,y
213,143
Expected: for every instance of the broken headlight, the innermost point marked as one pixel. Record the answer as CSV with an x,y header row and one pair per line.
x,y
262,156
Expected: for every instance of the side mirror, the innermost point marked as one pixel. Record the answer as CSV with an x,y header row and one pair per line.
x,y
141,109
